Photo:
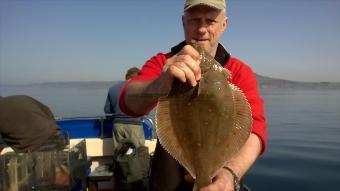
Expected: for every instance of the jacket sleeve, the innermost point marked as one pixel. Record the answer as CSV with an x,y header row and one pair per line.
x,y
151,70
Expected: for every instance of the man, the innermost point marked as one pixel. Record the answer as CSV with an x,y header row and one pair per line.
x,y
127,132
124,126
204,22
26,125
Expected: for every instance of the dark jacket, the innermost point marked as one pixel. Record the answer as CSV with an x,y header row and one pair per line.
x,y
25,123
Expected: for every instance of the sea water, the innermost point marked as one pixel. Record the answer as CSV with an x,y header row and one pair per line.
x,y
303,151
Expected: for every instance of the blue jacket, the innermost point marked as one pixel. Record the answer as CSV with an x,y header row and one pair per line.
x,y
112,105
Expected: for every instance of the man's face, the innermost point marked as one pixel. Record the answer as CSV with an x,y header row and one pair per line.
x,y
204,25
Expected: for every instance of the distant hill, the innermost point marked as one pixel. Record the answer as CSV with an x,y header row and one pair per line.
x,y
264,82
79,84
72,84
267,82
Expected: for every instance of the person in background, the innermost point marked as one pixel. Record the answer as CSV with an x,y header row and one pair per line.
x,y
204,22
125,127
27,125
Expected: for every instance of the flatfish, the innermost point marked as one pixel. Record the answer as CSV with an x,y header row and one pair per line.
x,y
204,126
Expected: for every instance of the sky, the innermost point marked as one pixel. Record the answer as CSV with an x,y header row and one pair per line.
x,y
98,40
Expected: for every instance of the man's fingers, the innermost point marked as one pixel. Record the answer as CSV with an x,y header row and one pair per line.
x,y
184,66
191,51
186,62
194,57
223,181
177,73
183,73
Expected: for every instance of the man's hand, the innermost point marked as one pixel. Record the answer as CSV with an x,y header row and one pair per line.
x,y
184,66
223,181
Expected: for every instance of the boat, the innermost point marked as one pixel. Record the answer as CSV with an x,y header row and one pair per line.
x,y
86,160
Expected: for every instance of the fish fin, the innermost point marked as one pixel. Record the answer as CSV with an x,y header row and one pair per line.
x,y
243,118
226,73
167,137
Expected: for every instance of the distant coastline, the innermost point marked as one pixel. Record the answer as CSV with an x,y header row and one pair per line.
x,y
264,83
267,82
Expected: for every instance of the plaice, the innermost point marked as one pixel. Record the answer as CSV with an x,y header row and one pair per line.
x,y
203,127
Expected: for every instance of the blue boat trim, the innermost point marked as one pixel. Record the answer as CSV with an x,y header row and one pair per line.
x,y
97,127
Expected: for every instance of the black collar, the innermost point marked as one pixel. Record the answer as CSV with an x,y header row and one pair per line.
x,y
222,56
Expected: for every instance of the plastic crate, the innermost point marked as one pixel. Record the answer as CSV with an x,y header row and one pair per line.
x,y
49,170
